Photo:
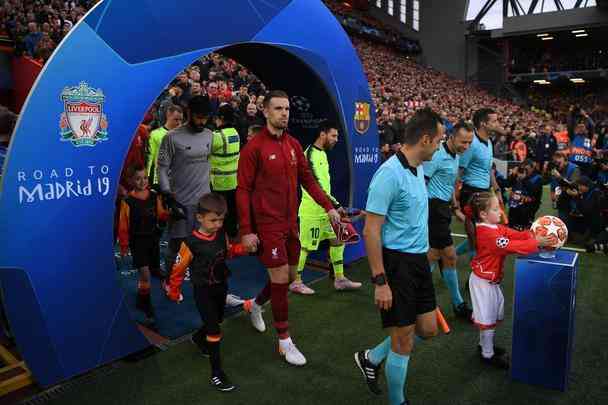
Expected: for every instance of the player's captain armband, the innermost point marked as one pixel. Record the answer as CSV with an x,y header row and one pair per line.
x,y
346,233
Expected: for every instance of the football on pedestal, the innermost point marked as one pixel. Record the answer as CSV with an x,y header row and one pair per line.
x,y
552,227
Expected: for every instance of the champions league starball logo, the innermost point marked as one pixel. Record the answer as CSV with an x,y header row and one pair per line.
x,y
83,122
303,113
300,104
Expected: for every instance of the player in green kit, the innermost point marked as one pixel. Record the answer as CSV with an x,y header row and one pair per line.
x,y
314,223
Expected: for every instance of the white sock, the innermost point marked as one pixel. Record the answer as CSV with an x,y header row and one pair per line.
x,y
486,341
285,342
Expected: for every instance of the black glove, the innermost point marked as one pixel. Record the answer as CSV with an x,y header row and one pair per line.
x,y
176,210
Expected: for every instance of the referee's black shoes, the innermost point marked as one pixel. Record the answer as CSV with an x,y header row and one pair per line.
x,y
463,311
370,372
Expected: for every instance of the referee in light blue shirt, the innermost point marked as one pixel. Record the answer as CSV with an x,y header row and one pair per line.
x,y
441,173
396,240
476,162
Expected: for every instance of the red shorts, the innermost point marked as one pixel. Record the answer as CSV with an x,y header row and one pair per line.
x,y
279,247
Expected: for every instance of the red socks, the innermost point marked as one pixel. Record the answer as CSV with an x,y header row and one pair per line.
x,y
264,295
280,311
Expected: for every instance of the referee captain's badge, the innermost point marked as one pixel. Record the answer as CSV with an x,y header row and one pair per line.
x,y
363,117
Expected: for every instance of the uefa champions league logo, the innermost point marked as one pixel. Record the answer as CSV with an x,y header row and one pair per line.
x,y
301,104
83,122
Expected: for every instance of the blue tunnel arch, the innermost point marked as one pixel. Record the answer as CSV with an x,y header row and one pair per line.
x,y
65,307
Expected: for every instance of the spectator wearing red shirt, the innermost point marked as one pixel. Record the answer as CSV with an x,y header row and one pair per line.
x,y
270,167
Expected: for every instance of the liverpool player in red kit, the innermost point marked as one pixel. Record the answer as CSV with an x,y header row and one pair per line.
x,y
493,242
270,167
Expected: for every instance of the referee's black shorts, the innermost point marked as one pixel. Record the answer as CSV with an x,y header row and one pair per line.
x,y
440,218
411,283
466,192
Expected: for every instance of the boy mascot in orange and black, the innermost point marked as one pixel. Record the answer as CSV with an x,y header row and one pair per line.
x,y
138,229
205,252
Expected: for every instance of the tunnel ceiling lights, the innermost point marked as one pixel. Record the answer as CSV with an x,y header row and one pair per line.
x,y
578,31
542,35
546,38
581,35
577,80
542,81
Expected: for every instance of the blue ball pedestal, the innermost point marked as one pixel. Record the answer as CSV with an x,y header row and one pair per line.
x,y
543,319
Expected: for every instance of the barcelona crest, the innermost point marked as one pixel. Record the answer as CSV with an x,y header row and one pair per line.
x,y
83,122
362,117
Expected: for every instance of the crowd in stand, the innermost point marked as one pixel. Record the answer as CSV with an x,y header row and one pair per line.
x,y
544,61
362,24
37,27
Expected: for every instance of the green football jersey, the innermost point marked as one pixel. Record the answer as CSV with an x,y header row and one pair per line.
x,y
317,160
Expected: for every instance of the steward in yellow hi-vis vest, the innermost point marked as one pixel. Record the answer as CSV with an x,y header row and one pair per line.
x,y
224,161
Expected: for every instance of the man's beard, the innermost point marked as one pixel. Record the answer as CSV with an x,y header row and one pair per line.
x,y
279,125
196,128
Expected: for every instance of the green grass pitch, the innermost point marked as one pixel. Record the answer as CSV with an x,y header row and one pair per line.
x,y
329,327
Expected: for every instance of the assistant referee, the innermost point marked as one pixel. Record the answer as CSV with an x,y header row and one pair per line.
x,y
441,173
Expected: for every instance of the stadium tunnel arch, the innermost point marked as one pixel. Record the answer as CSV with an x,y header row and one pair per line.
x,y
66,309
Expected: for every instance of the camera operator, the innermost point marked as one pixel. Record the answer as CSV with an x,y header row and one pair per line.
x,y
587,219
601,177
525,196
564,174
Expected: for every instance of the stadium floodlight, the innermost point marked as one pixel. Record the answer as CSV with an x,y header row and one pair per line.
x,y
577,31
546,38
541,81
542,35
581,35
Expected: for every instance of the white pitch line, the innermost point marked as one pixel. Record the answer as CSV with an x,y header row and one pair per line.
x,y
573,249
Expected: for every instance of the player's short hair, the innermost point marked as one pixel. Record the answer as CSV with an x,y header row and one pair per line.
x,y
199,105
424,122
327,125
463,124
212,202
482,116
274,94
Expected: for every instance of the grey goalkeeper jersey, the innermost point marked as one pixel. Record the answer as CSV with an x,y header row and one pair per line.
x,y
183,164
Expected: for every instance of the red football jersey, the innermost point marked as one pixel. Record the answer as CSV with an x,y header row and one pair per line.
x,y
493,244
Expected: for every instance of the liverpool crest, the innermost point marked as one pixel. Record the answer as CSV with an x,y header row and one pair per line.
x,y
83,122
362,117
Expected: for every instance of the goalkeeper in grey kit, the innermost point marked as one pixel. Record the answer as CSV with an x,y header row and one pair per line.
x,y
183,173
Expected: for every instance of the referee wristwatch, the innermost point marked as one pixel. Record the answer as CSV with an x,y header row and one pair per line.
x,y
379,280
